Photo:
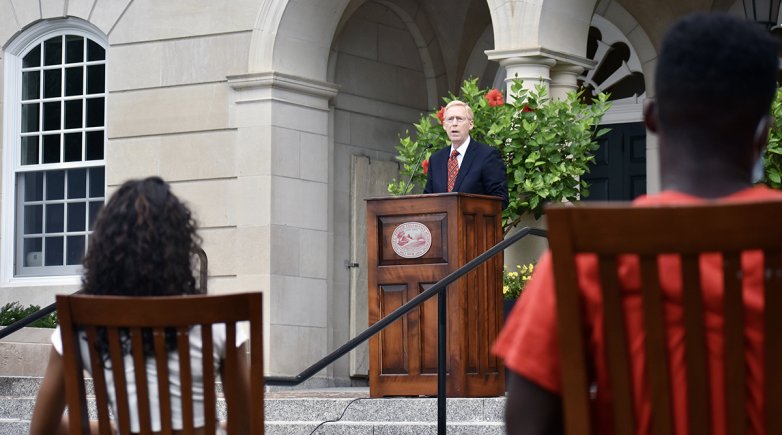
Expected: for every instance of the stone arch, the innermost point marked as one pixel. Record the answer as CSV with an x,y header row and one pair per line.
x,y
431,61
34,31
314,25
19,16
564,25
478,64
476,38
557,25
427,60
514,22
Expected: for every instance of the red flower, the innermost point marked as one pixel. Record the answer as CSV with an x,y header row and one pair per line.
x,y
494,97
441,114
527,109
425,165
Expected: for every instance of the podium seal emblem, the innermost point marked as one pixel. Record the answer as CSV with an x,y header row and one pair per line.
x,y
411,240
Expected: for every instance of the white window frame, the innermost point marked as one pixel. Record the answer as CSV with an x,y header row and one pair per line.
x,y
11,149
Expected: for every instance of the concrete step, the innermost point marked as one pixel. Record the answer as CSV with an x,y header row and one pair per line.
x,y
344,411
25,352
14,427
383,410
16,408
293,416
385,428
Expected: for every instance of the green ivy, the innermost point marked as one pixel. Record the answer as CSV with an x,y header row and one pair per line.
x,y
547,145
13,312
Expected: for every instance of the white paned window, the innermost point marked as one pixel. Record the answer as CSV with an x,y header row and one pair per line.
x,y
56,142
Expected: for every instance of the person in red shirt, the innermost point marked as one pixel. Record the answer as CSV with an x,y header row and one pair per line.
x,y
715,80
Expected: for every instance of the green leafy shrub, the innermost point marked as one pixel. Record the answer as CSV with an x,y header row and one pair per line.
x,y
14,311
773,157
547,145
514,281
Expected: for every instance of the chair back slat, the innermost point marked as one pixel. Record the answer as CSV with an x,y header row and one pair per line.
x,y
117,364
210,399
185,379
98,380
230,386
158,314
572,348
616,348
654,346
773,348
695,348
256,369
694,236
735,367
164,394
140,373
74,385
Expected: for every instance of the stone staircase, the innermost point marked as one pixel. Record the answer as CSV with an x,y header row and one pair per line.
x,y
315,410
17,397
343,411
366,416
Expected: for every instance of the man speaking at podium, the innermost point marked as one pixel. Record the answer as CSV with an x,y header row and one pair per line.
x,y
466,166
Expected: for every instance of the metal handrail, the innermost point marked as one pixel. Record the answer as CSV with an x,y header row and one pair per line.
x,y
439,288
49,309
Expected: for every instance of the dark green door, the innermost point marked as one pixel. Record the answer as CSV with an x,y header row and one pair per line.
x,y
619,170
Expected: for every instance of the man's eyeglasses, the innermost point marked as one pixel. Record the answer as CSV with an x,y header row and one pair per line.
x,y
454,120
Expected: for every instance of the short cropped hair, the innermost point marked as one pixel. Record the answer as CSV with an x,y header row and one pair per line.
x,y
457,103
716,75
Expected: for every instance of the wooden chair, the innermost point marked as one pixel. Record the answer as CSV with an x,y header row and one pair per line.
x,y
82,315
609,230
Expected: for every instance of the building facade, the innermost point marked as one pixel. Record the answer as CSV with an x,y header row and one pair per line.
x,y
273,119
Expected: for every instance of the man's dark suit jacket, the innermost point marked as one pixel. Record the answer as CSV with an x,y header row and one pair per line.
x,y
482,172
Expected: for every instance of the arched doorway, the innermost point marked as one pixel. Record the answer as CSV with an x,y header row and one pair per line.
x,y
619,170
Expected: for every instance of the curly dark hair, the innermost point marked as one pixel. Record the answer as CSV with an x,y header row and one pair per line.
x,y
144,244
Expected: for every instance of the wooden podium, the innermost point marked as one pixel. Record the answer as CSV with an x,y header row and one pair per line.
x,y
403,357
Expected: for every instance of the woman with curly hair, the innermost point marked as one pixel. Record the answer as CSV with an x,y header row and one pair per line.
x,y
144,244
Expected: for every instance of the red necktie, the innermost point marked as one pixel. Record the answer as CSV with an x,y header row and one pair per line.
x,y
453,169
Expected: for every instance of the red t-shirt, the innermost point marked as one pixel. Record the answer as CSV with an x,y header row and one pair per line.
x,y
528,341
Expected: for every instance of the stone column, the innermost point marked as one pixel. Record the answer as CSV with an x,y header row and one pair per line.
x,y
533,70
555,70
564,78
282,124
558,72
